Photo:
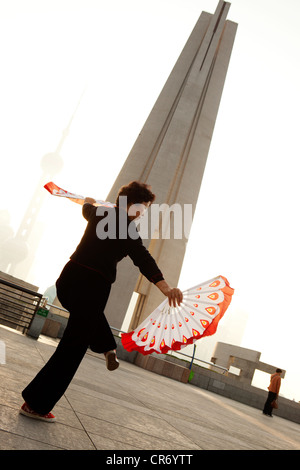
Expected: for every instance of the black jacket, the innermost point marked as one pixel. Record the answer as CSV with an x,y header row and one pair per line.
x,y
119,238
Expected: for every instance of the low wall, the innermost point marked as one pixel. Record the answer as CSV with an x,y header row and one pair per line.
x,y
212,381
177,369
162,367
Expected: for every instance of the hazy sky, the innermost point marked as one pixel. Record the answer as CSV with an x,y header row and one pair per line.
x,y
120,55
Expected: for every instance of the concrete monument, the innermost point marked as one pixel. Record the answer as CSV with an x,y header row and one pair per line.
x,y
171,151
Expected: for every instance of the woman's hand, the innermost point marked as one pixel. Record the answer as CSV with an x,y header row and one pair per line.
x,y
174,294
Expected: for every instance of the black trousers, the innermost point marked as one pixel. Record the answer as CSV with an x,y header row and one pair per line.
x,y
84,294
268,409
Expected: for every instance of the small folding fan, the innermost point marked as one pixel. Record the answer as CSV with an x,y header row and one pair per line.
x,y
173,328
57,191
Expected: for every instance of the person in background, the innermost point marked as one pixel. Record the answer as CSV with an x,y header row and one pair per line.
x,y
273,388
83,289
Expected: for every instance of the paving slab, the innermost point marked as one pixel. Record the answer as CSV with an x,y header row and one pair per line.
x,y
128,409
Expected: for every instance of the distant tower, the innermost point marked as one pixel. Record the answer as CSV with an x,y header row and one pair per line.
x,y
170,152
17,249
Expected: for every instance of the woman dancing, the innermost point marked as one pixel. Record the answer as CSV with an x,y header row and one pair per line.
x,y
83,289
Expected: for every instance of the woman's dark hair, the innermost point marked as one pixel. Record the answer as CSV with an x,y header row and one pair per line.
x,y
136,193
278,370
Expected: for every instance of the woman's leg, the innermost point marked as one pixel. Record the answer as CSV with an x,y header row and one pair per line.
x,y
85,297
51,382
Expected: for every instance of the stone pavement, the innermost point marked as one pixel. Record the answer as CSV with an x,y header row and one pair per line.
x,y
128,409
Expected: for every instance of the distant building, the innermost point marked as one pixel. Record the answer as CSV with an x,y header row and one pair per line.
x,y
241,362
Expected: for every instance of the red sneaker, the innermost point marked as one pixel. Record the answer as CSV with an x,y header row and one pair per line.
x,y
27,411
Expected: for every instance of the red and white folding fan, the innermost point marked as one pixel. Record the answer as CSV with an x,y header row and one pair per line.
x,y
57,191
173,328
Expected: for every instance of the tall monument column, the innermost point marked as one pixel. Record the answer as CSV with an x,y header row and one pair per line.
x,y
171,151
